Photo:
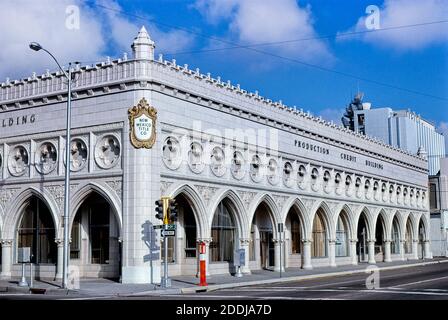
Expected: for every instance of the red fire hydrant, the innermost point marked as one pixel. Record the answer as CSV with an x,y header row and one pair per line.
x,y
202,265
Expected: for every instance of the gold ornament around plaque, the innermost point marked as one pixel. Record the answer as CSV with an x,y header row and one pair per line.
x,y
142,123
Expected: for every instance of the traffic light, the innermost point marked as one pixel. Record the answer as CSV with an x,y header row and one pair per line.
x,y
159,209
172,211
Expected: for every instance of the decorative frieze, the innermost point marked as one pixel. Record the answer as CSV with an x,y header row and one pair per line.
x,y
280,201
246,197
206,192
308,203
57,192
116,185
164,185
6,195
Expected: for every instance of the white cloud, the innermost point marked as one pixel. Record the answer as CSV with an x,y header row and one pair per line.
x,y
334,115
407,12
263,21
121,30
100,33
22,22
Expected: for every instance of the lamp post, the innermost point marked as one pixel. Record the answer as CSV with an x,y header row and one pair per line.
x,y
37,47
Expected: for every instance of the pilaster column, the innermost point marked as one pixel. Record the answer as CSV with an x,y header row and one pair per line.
x,y
332,252
402,254
307,254
244,244
387,256
278,245
60,259
207,255
371,251
353,254
415,249
6,258
427,249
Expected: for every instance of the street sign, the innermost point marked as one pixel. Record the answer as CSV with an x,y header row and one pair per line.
x,y
24,255
239,258
159,226
170,227
168,233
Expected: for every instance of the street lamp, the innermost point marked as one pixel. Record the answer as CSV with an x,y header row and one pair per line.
x,y
37,47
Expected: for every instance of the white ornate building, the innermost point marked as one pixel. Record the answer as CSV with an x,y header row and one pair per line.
x,y
237,163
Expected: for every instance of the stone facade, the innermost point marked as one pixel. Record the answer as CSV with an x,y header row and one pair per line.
x,y
214,142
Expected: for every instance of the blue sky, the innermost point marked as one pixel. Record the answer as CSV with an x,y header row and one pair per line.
x,y
411,58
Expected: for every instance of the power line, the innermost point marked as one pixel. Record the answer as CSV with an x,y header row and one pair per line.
x,y
337,35
293,60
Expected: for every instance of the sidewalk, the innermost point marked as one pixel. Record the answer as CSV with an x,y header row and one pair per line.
x,y
189,284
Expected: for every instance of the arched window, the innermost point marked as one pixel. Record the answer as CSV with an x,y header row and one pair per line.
x,y
223,234
95,223
36,230
296,236
319,246
341,237
408,238
189,225
395,241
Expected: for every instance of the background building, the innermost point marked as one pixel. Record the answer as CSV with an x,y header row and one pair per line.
x,y
438,201
402,129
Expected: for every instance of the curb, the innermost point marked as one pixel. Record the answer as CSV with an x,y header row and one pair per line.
x,y
299,278
159,292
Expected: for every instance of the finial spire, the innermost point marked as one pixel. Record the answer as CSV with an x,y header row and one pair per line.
x,y
143,46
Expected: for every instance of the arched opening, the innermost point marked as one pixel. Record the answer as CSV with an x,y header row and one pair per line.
x,y
319,248
362,235
421,239
342,230
395,237
408,237
36,230
182,249
262,252
94,245
379,238
224,233
294,236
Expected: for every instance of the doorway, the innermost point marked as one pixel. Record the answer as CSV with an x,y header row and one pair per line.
x,y
266,249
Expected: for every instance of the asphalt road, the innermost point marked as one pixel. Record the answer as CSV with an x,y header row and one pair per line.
x,y
428,282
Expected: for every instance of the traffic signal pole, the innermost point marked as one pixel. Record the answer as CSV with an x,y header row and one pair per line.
x,y
166,282
167,212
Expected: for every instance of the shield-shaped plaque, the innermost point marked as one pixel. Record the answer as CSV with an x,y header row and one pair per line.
x,y
142,123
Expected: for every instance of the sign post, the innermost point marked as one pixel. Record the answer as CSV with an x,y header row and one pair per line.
x,y
24,255
166,282
280,231
202,265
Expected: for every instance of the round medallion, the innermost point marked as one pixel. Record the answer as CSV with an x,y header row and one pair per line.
x,y
272,171
46,158
171,153
107,152
255,168
18,161
237,165
195,157
217,161
78,154
287,173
